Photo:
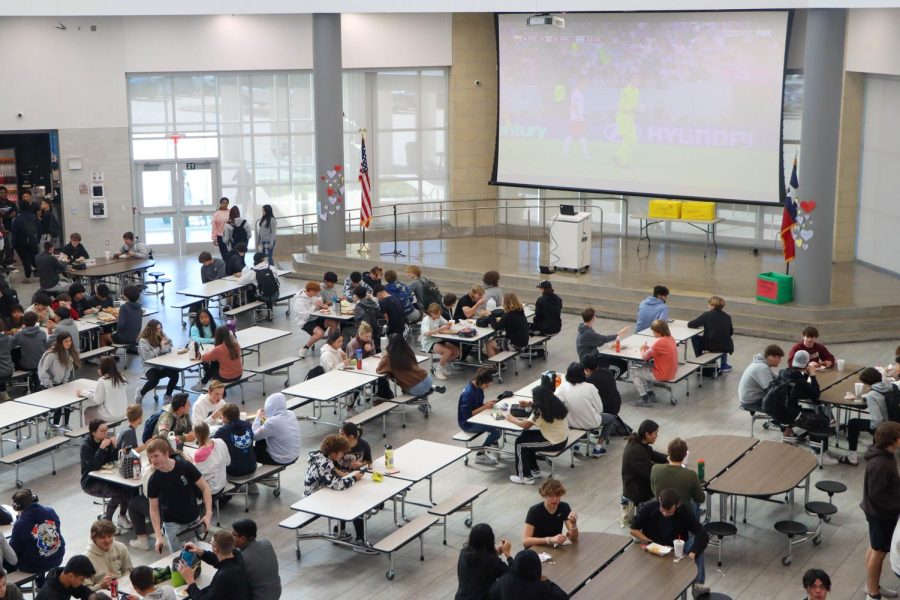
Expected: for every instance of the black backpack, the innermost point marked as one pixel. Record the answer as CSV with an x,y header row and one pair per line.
x,y
892,402
31,231
239,234
150,426
267,283
371,315
431,293
777,397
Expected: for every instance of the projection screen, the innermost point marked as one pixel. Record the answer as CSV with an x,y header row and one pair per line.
x,y
655,104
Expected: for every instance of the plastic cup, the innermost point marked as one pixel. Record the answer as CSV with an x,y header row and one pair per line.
x,y
679,548
858,389
840,364
107,254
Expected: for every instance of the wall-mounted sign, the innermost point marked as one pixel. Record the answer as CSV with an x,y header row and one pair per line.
x,y
83,188
97,176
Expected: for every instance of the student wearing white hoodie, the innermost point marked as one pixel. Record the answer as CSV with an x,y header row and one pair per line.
x,y
110,399
333,356
277,433
208,407
306,304
211,457
585,406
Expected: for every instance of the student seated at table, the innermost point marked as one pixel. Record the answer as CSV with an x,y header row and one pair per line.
x,y
306,304
757,377
7,368
154,342
109,557
470,305
329,292
352,282
816,584
674,476
547,311
203,328
399,362
400,291
171,492
230,578
14,322
665,520
360,452
40,305
260,560
652,308
524,581
322,472
109,399
332,355
637,463
98,448
102,298
58,366
236,261
802,384
80,302
367,310
131,315
63,300
75,249
512,323
878,412
479,564
545,520
128,440
212,269
472,402
36,535
131,248
175,418
392,311
9,590
432,324
447,305
605,381
664,354
238,436
224,359
818,353
372,277
49,268
31,342
585,407
277,433
208,407
68,582
588,341
263,280
65,324
141,578
493,294
212,459
717,332
363,341
547,429
418,286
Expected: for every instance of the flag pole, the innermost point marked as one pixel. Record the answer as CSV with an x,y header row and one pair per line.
x,y
363,248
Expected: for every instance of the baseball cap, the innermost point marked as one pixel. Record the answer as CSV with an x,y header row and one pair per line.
x,y
801,359
545,285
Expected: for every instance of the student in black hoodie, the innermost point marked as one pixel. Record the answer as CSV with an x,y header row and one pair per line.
x,y
717,332
64,583
605,381
523,581
97,449
547,310
880,501
230,581
238,436
480,565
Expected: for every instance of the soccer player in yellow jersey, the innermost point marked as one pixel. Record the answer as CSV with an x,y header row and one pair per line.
x,y
629,98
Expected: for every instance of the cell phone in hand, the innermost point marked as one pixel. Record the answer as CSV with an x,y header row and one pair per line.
x,y
187,557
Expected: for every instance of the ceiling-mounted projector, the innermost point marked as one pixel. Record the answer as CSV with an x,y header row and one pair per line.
x,y
544,20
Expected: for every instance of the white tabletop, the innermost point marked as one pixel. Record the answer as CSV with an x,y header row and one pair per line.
x,y
13,413
278,273
486,417
174,360
370,364
480,333
211,289
418,459
60,396
206,572
256,335
92,318
114,477
346,505
330,385
327,313
525,391
630,348
679,330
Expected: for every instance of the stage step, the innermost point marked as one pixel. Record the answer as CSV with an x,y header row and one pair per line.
x,y
751,317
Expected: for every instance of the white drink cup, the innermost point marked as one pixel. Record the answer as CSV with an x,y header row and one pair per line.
x,y
108,254
679,548
858,389
840,364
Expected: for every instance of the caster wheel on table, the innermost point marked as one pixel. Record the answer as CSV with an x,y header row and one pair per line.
x,y
276,493
674,401
786,561
827,519
817,540
298,554
766,425
19,484
468,522
389,575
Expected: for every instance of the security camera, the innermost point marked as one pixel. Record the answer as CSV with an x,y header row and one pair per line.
x,y
477,83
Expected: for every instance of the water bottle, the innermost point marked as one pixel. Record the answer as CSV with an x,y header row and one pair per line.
x,y
701,469
196,351
114,588
136,469
388,457
359,359
618,345
172,441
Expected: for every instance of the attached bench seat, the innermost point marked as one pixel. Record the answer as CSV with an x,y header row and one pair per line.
x,y
575,436
370,414
707,360
682,374
280,366
74,434
396,540
183,302
297,521
102,350
535,343
501,358
264,474
250,307
236,383
25,454
404,399
463,499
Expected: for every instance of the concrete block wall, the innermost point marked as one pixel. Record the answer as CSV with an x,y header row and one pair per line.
x,y
849,151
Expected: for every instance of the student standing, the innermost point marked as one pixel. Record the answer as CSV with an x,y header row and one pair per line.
x,y
26,235
220,217
266,232
237,230
49,223
131,314
717,332
881,503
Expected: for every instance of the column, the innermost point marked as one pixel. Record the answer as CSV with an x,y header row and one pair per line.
x,y
819,137
329,123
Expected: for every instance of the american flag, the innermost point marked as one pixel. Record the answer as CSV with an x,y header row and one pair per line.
x,y
365,216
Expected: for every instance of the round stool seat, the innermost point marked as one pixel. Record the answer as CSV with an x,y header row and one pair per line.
x,y
720,529
831,487
163,280
821,509
790,528
156,273
718,596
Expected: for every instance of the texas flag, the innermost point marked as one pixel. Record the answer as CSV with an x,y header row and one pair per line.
x,y
789,216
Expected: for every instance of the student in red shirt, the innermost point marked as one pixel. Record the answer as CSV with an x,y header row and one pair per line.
x,y
224,359
665,362
817,352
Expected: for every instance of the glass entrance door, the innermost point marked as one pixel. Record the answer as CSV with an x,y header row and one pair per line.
x,y
177,200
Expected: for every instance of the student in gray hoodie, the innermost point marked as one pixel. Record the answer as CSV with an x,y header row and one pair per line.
x,y
142,581
131,315
31,341
652,308
758,376
587,341
57,366
878,412
65,324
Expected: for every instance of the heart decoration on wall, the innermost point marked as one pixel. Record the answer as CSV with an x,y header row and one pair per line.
x,y
808,206
802,230
334,192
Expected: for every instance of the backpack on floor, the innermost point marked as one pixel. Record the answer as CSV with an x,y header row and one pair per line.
x,y
150,427
892,401
620,428
431,293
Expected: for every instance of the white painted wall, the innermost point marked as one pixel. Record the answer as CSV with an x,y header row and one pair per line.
x,y
877,241
873,41
396,40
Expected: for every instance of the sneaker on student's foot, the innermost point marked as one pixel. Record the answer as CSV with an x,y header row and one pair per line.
x,y
849,459
599,451
521,480
642,401
140,544
536,474
725,368
440,389
828,460
439,374
700,590
362,548
122,522
888,593
484,459
651,395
